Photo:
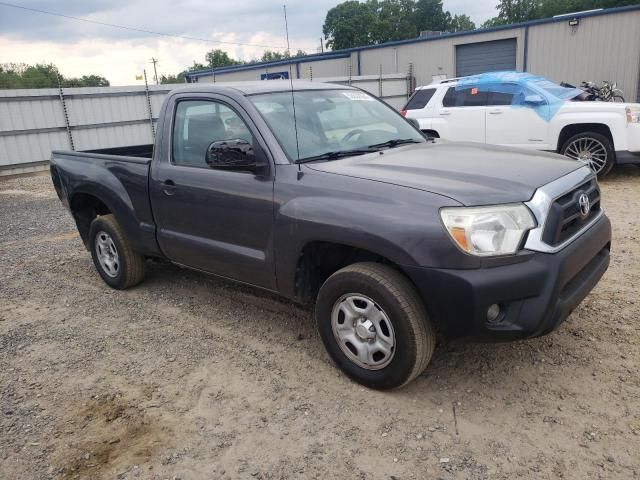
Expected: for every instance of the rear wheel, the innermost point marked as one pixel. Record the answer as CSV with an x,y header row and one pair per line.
x,y
118,265
374,325
593,149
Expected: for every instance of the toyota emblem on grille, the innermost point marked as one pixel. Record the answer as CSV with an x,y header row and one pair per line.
x,y
584,204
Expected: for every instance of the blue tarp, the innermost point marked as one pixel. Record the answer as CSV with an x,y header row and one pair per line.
x,y
529,91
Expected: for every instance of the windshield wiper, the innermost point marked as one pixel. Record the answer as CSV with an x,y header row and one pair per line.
x,y
337,154
394,143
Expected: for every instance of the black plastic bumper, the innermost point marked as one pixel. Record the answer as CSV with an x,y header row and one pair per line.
x,y
534,296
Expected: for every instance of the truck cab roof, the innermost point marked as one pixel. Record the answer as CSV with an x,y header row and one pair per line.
x,y
260,86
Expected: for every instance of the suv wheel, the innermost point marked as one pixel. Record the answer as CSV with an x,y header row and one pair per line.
x,y
593,149
374,325
118,265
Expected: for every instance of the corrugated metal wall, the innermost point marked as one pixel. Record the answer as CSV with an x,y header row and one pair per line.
x,y
605,47
32,122
433,57
337,67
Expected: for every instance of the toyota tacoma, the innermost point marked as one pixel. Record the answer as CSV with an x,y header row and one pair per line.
x,y
327,196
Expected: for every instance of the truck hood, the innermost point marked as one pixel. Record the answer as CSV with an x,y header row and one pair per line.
x,y
470,173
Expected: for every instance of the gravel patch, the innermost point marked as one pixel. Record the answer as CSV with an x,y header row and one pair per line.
x,y
188,376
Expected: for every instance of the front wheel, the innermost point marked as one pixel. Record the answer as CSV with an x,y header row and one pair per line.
x,y
593,149
374,326
118,265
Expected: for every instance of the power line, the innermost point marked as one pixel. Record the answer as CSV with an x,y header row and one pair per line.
x,y
134,29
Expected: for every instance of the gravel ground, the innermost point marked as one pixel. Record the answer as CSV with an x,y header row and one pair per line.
x,y
187,376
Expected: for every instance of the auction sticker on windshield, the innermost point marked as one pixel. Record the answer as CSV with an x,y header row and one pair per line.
x,y
355,95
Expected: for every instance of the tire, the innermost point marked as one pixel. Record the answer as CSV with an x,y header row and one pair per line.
x,y
585,146
617,98
118,265
399,314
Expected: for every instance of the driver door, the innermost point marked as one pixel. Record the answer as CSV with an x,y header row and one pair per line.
x,y
216,220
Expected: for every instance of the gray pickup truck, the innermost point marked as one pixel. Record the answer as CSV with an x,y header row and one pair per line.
x,y
326,195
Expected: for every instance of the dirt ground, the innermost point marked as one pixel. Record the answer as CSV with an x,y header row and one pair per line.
x,y
189,377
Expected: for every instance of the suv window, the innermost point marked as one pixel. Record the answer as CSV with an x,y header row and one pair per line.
x,y
496,98
199,123
420,99
466,97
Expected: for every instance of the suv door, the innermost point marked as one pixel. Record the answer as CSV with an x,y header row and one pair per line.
x,y
462,115
215,220
516,126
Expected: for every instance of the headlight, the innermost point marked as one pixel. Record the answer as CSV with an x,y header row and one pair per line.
x,y
633,114
488,231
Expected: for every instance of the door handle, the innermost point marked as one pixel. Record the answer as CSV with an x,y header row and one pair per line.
x,y
168,187
445,112
495,112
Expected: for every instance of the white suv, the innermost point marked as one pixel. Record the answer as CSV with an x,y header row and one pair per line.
x,y
521,110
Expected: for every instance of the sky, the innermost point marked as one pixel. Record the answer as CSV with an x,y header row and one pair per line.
x,y
243,28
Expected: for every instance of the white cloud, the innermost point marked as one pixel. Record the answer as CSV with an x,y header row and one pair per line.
x,y
80,48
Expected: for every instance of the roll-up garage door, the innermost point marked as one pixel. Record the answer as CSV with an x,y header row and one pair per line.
x,y
486,57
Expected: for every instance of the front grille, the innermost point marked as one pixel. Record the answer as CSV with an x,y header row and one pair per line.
x,y
565,218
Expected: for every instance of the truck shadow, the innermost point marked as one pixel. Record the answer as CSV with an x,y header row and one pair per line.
x,y
457,366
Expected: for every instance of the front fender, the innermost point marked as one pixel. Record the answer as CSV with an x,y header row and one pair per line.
x,y
397,223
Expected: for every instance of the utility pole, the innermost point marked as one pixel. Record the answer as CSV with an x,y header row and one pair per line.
x,y
155,71
321,46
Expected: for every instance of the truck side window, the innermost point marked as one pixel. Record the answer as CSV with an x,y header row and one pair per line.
x,y
199,123
465,97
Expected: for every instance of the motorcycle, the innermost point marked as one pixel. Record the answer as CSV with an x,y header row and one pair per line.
x,y
608,92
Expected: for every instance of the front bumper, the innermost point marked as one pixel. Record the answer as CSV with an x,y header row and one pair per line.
x,y
535,295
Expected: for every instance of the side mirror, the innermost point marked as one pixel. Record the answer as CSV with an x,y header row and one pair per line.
x,y
533,100
236,154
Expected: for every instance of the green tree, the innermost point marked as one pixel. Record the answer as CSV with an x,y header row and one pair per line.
x,y
549,8
271,55
460,23
86,81
164,79
394,20
219,58
429,15
349,25
20,75
353,23
515,11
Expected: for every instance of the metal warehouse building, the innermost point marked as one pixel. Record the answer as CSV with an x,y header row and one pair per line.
x,y
596,45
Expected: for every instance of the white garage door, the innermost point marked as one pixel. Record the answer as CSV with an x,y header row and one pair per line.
x,y
486,57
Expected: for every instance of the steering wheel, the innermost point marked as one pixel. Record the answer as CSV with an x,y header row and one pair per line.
x,y
351,134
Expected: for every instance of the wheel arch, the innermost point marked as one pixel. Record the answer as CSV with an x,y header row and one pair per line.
x,y
318,260
570,130
85,207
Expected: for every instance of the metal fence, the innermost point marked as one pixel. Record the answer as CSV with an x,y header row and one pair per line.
x,y
393,88
35,122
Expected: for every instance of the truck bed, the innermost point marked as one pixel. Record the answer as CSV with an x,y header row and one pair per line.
x,y
138,151
119,178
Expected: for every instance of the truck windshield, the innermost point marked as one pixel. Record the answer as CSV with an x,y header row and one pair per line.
x,y
330,122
